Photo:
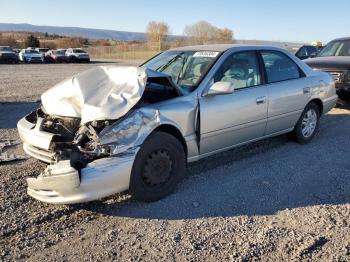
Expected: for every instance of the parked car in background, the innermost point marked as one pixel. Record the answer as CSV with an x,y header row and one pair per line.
x,y
61,50
76,55
308,51
335,59
30,56
56,56
42,50
7,55
116,128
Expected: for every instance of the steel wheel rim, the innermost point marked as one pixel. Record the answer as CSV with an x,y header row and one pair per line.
x,y
157,169
308,123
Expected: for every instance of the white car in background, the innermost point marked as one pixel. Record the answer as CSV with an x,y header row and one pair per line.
x,y
76,55
30,56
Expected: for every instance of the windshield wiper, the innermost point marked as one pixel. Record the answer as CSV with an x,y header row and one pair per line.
x,y
165,66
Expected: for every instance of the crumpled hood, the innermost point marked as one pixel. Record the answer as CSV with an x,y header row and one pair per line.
x,y
101,93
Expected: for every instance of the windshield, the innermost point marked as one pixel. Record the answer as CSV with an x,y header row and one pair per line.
x,y
5,49
186,68
79,51
58,52
31,52
336,48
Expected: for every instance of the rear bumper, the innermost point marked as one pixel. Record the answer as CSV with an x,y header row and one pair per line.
x,y
329,104
100,178
83,59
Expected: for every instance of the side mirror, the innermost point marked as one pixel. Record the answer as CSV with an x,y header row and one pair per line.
x,y
220,88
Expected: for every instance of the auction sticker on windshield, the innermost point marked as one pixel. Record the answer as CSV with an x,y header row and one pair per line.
x,y
206,54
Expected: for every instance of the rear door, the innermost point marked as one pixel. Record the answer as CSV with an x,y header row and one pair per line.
x,y
231,119
288,88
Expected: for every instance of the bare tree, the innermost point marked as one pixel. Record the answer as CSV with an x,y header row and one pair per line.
x,y
157,33
68,42
226,35
203,32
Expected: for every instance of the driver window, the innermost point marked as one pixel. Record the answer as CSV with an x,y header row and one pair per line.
x,y
240,69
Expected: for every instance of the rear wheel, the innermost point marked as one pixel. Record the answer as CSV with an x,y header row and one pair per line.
x,y
158,167
307,125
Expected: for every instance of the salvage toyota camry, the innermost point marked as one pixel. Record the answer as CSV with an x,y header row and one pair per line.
x,y
112,128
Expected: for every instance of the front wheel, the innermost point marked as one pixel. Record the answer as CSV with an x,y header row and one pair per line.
x,y
307,125
158,167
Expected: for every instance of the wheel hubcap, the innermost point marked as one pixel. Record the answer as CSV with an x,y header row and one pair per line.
x,y
157,168
309,122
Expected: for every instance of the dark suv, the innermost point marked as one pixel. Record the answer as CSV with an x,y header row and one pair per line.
x,y
7,55
308,51
335,59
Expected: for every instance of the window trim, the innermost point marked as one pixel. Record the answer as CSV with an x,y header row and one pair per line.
x,y
259,65
301,72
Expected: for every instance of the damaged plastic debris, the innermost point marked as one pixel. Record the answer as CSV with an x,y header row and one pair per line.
x,y
7,157
56,177
8,143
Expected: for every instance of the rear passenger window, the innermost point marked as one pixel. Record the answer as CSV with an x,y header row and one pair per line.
x,y
279,67
240,69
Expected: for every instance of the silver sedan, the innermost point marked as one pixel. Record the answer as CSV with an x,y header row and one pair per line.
x,y
113,128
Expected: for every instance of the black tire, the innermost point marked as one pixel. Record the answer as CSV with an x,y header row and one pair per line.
x,y
297,134
158,167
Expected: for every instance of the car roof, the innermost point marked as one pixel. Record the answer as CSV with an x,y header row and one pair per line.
x,y
341,39
219,47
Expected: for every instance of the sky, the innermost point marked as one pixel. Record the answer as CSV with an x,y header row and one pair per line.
x,y
296,20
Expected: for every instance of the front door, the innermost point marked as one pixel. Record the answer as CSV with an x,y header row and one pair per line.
x,y
232,119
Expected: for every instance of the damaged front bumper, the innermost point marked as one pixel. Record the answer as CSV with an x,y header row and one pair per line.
x,y
62,184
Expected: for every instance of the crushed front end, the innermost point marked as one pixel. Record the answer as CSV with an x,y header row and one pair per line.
x,y
89,130
80,167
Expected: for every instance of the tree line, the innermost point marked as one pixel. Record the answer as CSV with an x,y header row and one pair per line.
x,y
201,33
157,38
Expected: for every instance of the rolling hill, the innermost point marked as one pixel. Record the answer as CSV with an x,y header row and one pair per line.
x,y
74,31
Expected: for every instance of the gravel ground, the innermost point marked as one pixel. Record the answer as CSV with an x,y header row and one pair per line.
x,y
274,200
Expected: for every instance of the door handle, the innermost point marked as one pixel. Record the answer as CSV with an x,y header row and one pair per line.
x,y
306,90
261,100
